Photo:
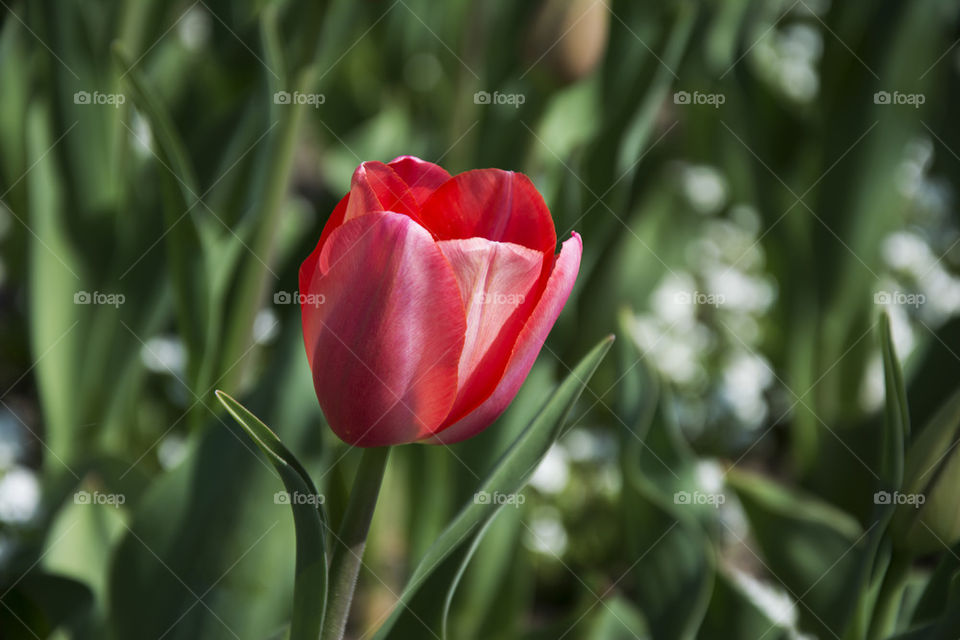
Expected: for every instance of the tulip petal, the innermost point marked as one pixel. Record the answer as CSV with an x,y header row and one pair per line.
x,y
526,349
377,187
385,342
309,266
422,177
492,204
495,280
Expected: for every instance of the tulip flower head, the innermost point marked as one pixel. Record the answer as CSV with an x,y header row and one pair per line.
x,y
437,295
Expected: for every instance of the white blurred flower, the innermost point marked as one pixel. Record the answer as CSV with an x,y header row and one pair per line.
x,y
142,135
546,534
266,326
772,601
553,471
164,354
194,28
705,188
19,495
745,379
171,451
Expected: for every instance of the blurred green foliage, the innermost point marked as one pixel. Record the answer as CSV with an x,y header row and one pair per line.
x,y
755,182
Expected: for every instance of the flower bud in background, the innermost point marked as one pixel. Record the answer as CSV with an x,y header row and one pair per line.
x,y
569,37
927,518
438,293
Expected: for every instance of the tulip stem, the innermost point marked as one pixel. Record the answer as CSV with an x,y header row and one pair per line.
x,y
351,540
887,608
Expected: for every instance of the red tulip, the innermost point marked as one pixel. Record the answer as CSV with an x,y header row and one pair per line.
x,y
436,293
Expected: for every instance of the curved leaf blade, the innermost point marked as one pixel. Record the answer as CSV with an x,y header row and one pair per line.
x,y
310,587
509,475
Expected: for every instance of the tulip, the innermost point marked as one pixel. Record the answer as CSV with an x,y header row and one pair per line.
x,y
927,516
427,300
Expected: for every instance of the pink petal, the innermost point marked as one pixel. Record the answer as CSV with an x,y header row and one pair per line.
x,y
495,280
385,342
422,177
309,265
527,347
377,187
492,204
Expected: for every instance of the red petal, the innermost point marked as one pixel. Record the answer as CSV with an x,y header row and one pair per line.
x,y
385,342
377,187
309,265
422,177
495,280
492,204
528,346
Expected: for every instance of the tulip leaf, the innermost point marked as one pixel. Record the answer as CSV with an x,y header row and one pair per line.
x,y
734,614
809,547
674,569
508,476
310,587
896,414
187,239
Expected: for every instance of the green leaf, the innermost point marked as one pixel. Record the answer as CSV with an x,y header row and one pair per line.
x,y
187,238
674,569
508,476
41,603
896,414
733,614
813,549
310,588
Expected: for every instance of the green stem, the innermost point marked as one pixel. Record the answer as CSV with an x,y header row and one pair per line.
x,y
351,539
887,607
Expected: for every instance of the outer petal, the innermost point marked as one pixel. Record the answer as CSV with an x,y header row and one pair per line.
x,y
308,268
527,348
495,279
492,204
422,177
377,187
385,342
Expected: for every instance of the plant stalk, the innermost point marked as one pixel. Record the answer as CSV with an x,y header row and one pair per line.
x,y
887,608
351,540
